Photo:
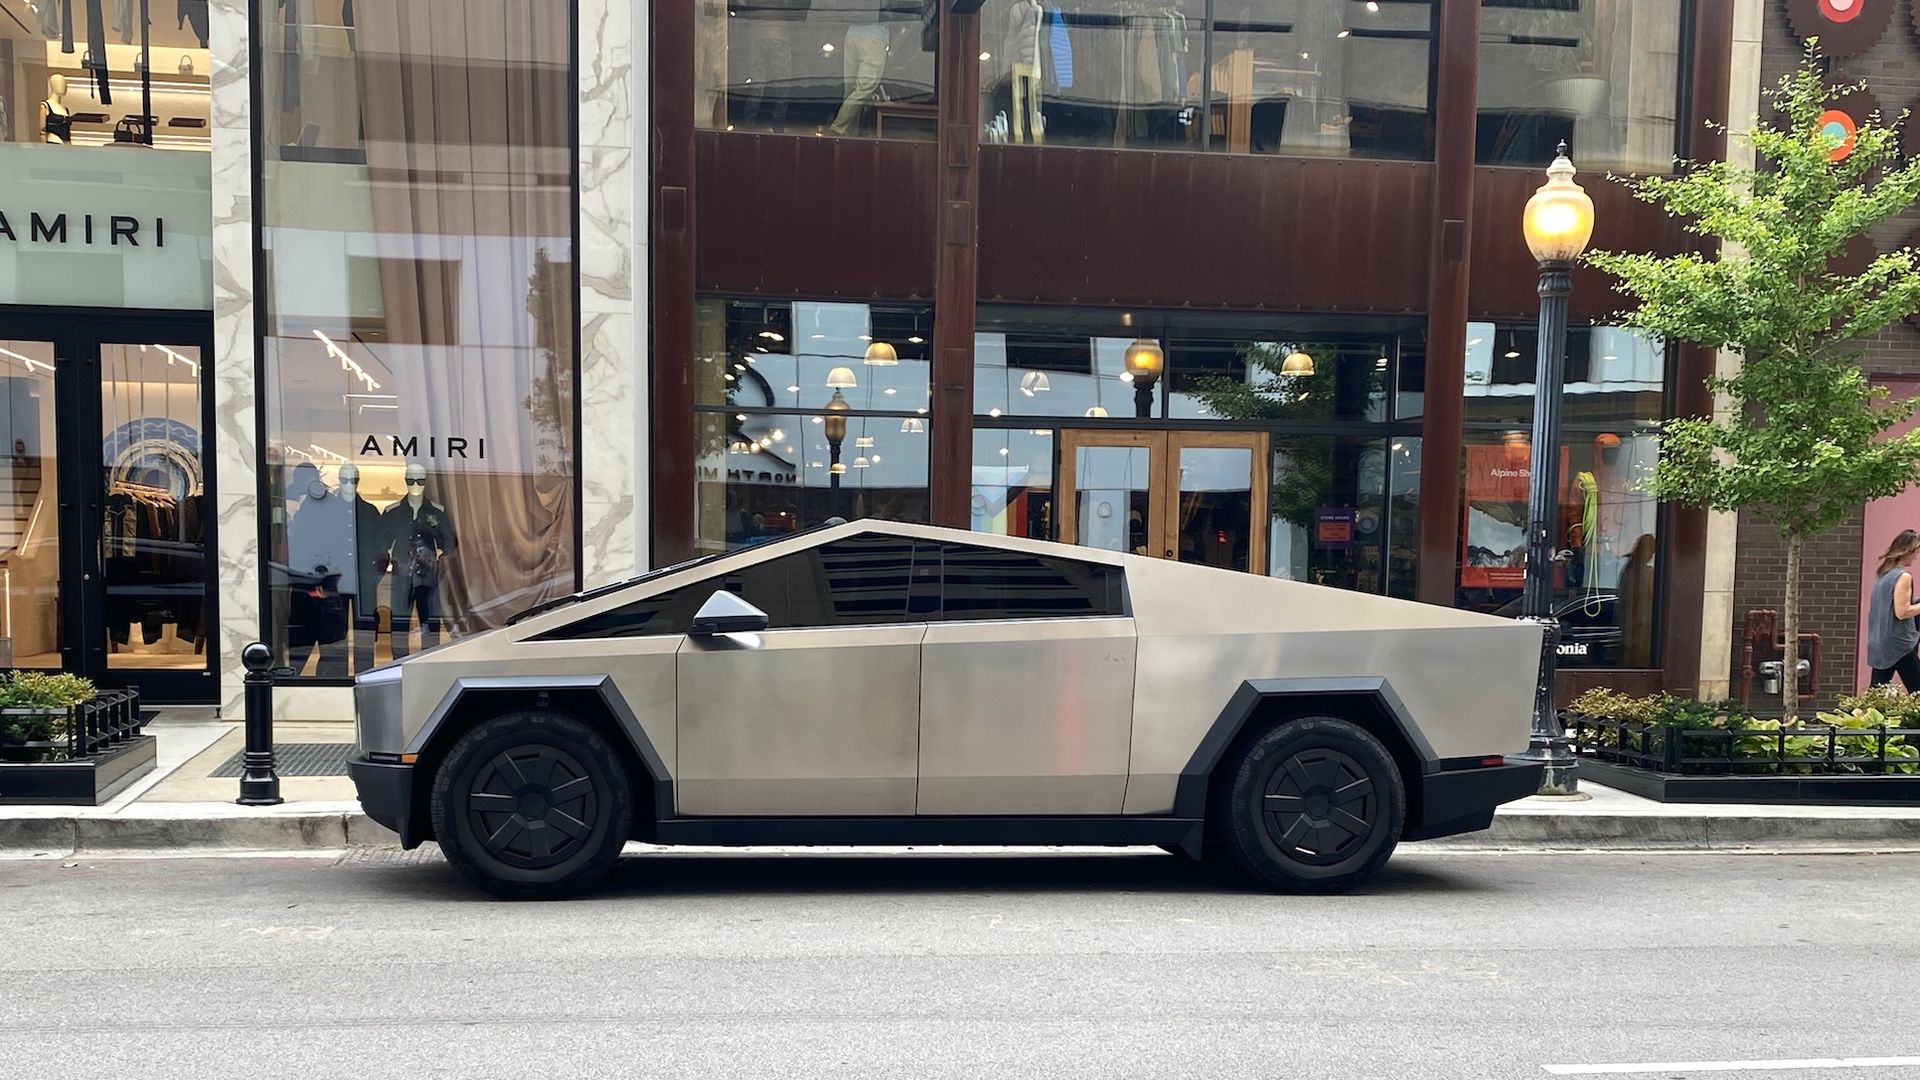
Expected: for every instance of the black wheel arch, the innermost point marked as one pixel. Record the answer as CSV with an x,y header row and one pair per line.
x,y
1258,705
592,699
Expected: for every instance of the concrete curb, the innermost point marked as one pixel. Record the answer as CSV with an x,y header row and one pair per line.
x,y
125,832
303,831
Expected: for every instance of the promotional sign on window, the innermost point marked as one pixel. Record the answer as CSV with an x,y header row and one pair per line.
x,y
1493,543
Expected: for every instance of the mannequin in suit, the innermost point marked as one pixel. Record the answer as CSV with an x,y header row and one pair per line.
x,y
421,536
360,590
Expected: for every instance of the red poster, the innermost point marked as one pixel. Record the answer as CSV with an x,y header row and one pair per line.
x,y
1493,537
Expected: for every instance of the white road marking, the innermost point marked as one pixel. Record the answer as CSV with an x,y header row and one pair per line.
x,y
1783,1065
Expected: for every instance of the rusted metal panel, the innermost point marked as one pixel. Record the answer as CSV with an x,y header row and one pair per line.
x,y
1505,279
1194,230
786,215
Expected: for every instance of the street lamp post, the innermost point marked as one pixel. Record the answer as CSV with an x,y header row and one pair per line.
x,y
1558,223
836,425
1145,360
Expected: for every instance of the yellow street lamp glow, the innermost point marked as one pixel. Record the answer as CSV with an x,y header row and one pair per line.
x,y
836,410
881,354
1558,220
1145,361
1297,363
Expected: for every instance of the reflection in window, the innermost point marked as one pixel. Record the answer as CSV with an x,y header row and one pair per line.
x,y
1613,374
1070,363
1013,482
1604,593
807,411
70,75
1604,75
1346,511
419,352
1615,390
1264,77
849,68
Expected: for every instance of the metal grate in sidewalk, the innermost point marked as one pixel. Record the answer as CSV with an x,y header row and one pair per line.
x,y
297,759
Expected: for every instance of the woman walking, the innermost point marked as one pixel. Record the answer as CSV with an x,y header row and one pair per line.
x,y
1892,633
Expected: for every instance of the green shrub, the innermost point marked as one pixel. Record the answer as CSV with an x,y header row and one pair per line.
x,y
54,694
1752,737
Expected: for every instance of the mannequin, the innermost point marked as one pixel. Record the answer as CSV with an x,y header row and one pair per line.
x,y
362,594
863,59
1024,21
421,536
321,569
56,125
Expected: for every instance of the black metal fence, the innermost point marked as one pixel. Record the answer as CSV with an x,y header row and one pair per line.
x,y
78,731
1806,749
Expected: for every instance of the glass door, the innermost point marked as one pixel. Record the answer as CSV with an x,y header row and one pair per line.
x,y
1198,497
155,559
33,621
106,532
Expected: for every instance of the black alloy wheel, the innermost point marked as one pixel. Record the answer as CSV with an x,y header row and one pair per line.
x,y
1311,805
532,804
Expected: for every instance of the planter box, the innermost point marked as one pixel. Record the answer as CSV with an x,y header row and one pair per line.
x,y
1847,790
84,781
99,751
1808,765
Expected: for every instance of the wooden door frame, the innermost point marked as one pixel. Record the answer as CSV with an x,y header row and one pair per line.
x,y
1258,482
1067,517
1163,483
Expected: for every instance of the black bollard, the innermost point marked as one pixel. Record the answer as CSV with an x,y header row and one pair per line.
x,y
259,784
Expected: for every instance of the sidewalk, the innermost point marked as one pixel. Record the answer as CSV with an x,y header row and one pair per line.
x,y
182,805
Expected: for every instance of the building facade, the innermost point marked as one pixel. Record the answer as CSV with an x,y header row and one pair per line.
x,y
462,306
1879,46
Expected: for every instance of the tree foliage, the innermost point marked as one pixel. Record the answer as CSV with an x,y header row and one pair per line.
x,y
1266,394
1806,442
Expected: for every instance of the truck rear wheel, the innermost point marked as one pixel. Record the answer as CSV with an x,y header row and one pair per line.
x,y
1312,805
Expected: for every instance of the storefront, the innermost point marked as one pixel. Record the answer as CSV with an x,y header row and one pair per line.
x,y
107,516
1232,283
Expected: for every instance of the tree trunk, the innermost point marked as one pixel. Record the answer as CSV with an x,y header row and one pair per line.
x,y
1790,633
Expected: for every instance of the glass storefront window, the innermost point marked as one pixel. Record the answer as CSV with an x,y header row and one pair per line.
x,y
1604,594
30,520
1344,79
1013,482
798,354
1615,395
851,68
1602,75
70,75
807,411
1613,375
1071,362
1346,511
419,348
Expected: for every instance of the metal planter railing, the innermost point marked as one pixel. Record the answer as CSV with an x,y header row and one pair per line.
x,y
1805,749
83,730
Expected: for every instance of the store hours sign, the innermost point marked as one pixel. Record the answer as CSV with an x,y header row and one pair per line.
x,y
106,228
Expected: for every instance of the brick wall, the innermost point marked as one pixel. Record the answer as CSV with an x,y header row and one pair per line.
x,y
1830,567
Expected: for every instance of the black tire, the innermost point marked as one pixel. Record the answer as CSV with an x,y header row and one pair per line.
x,y
1312,805
532,804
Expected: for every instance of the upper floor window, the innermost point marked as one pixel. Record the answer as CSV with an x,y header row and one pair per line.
x,y
1604,75
848,68
1340,78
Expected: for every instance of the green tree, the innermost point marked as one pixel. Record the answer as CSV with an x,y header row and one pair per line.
x,y
1805,443
1266,394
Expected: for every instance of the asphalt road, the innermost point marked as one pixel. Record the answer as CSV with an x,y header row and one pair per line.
x,y
1136,965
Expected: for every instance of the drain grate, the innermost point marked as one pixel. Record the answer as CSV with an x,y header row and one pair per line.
x,y
298,759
